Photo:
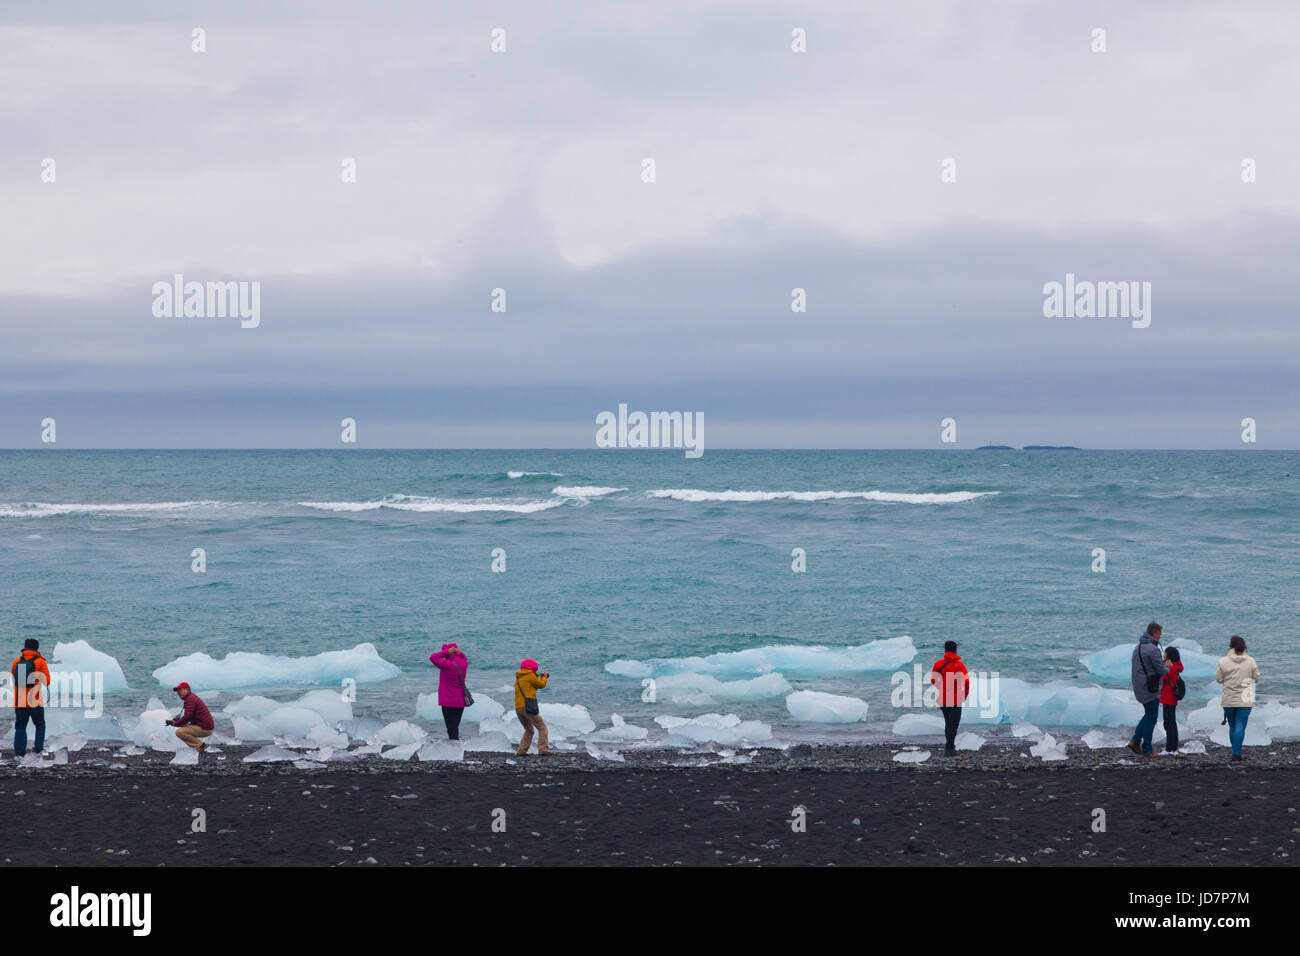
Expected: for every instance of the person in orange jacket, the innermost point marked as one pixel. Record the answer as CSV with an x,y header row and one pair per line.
x,y
952,679
527,684
31,682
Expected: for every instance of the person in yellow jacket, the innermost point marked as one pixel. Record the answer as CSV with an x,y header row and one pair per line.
x,y
527,684
1239,675
31,677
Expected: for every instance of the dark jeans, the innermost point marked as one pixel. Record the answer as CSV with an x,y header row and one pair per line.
x,y
1171,727
37,715
1237,717
451,717
1147,725
951,718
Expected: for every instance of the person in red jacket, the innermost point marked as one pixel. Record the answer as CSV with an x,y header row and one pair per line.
x,y
195,720
952,679
1168,702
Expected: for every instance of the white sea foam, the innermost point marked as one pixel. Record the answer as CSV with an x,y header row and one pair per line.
x,y
423,504
584,491
883,655
246,669
897,497
534,474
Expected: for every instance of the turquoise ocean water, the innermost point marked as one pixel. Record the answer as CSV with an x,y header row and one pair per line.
x,y
617,555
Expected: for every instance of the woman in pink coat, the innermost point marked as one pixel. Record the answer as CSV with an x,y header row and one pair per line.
x,y
452,666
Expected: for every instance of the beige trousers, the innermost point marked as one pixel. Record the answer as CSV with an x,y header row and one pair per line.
x,y
191,733
530,721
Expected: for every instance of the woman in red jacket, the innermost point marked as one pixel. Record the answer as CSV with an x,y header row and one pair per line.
x,y
1169,702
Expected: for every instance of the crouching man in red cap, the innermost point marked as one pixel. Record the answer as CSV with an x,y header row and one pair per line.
x,y
195,720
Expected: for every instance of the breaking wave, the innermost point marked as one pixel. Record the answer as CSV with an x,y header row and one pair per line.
x,y
898,497
422,504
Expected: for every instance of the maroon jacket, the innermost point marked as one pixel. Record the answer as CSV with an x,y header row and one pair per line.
x,y
195,712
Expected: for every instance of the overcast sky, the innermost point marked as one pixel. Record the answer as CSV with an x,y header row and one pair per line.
x,y
522,170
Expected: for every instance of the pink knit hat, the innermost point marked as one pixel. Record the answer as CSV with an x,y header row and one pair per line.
x,y
448,646
528,664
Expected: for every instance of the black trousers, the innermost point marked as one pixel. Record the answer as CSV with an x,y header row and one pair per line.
x,y
951,719
1171,726
451,717
37,717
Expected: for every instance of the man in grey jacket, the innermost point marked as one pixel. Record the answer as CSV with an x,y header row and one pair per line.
x,y
1148,662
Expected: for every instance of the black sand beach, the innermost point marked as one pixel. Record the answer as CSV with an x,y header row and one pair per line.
x,y
995,807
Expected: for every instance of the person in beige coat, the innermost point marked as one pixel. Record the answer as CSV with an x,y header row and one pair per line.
x,y
1239,674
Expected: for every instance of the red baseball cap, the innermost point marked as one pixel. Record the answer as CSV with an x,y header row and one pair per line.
x,y
180,685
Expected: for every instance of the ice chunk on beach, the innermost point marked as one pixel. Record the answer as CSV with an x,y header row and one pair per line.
x,y
152,731
1256,735
968,741
248,669
185,757
270,754
1048,748
562,721
600,754
79,658
823,708
725,729
703,690
1024,729
1115,663
131,750
1054,704
619,731
323,736
402,752
566,720
73,742
291,721
401,732
73,720
913,725
251,706
1207,718
1192,747
1283,723
788,659
485,708
248,729
912,755
492,742
363,728
330,704
442,750
1100,740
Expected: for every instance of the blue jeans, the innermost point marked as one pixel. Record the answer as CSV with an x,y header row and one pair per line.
x,y
1147,725
1237,717
37,715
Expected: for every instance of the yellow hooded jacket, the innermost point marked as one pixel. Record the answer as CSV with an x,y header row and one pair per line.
x,y
527,683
